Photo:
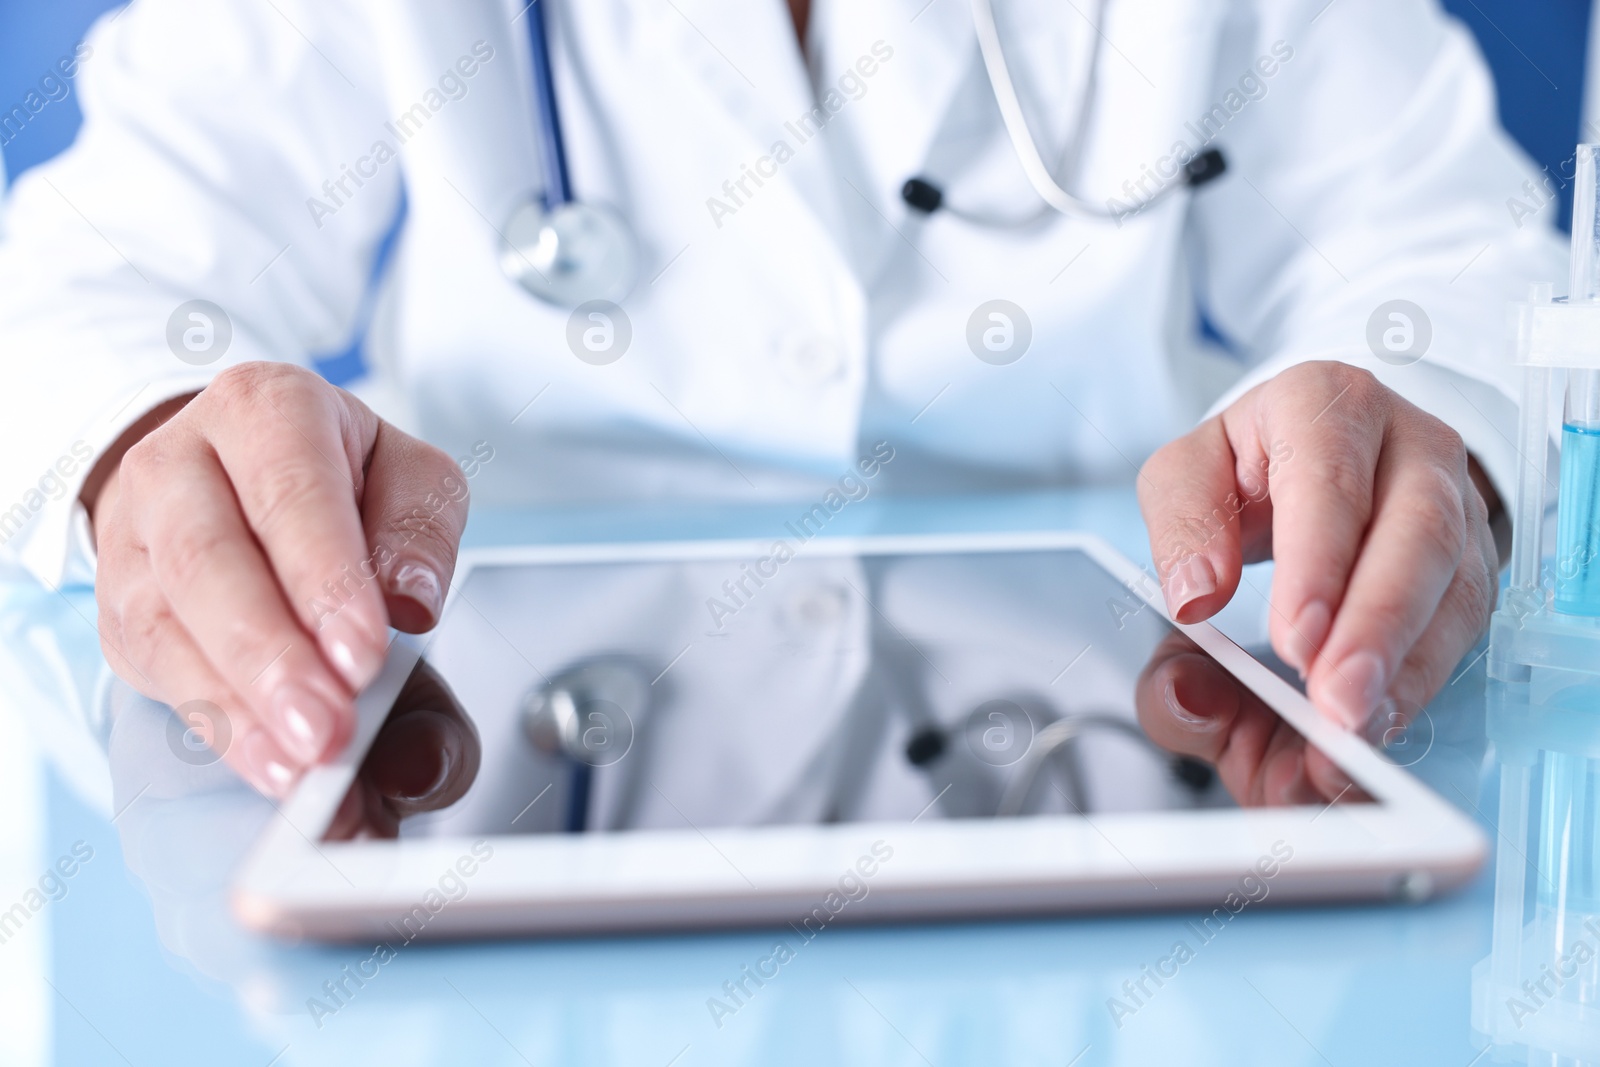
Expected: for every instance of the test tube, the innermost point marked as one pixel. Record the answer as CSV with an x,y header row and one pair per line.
x,y
1578,508
1567,898
1569,845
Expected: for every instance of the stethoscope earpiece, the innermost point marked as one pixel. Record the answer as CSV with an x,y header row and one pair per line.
x,y
925,746
922,195
1205,168
925,198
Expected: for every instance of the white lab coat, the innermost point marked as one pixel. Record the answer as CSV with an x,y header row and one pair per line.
x,y
768,343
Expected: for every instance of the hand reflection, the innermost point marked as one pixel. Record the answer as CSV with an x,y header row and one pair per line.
x,y
1189,705
424,758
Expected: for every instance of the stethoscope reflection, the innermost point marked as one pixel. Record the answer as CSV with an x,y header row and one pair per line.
x,y
1008,757
1056,746
1003,733
425,757
586,716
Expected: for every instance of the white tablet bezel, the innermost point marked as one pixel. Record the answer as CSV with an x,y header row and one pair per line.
x,y
1408,844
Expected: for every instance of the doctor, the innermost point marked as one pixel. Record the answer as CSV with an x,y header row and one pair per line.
x,y
252,530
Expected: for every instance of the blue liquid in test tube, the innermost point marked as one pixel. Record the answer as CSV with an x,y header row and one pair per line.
x,y
1578,521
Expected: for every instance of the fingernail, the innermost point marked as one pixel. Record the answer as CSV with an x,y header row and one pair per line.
x,y
1189,580
1196,718
421,584
351,648
1307,632
304,721
1355,688
265,765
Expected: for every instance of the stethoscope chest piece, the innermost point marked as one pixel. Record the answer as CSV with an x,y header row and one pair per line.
x,y
569,255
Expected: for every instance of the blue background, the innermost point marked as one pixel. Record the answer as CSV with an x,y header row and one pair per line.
x,y
1535,48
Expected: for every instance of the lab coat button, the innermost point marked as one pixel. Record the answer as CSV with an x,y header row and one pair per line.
x,y
808,359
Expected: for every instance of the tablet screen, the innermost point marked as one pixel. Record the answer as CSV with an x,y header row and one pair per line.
x,y
795,688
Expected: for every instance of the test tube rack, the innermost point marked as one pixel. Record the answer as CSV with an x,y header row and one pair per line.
x,y
1538,994
1552,337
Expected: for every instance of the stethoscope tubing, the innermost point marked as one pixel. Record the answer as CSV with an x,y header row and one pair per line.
x,y
552,145
568,273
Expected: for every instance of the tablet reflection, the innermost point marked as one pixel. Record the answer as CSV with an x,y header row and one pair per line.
x,y
425,757
1190,706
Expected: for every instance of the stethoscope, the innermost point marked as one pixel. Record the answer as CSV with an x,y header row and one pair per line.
x,y
567,252
558,248
585,716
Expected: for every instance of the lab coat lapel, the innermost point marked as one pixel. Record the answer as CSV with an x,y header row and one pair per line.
x,y
743,53
935,57
932,49
933,89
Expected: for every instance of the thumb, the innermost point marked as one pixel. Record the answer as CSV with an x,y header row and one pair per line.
x,y
1191,504
414,508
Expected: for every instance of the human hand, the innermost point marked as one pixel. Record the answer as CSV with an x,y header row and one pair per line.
x,y
1386,570
255,548
1188,705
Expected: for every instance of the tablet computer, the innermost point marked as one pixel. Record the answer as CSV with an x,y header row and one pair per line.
x,y
809,731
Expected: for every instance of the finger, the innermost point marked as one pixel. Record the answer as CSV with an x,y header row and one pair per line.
x,y
427,752
1456,626
1330,781
1324,424
418,762
414,509
350,816
1409,558
1247,734
222,591
363,813
294,452
178,674
382,821
1188,494
1282,779
1187,705
424,758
